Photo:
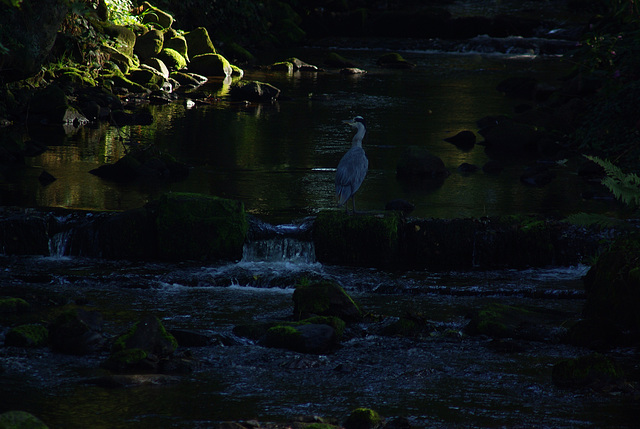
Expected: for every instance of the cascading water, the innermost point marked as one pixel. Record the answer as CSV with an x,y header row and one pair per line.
x,y
280,243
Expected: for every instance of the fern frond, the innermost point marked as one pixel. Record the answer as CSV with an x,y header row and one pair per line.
x,y
624,186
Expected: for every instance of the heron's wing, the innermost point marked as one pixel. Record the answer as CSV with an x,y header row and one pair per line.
x,y
350,173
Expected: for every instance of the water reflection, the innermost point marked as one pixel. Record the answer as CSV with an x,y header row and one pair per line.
x,y
279,158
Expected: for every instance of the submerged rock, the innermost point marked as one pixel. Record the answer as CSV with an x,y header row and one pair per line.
x,y
254,91
324,298
417,163
363,418
77,332
310,338
20,420
394,60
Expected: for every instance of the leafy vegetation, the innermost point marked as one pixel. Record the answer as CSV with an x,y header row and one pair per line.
x,y
624,186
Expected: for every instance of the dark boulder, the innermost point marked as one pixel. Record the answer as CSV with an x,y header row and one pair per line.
x,y
592,371
254,91
77,332
33,335
149,44
324,298
394,60
464,140
199,42
417,163
310,338
24,233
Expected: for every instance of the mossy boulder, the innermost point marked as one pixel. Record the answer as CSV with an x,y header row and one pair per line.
x,y
149,44
157,65
594,370
507,321
200,227
33,335
156,17
304,336
173,59
147,77
76,331
20,420
612,287
13,305
362,240
124,37
336,60
363,418
149,335
284,66
178,44
324,298
199,42
123,61
188,79
210,65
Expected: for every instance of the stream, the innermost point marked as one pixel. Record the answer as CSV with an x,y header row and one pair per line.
x,y
279,159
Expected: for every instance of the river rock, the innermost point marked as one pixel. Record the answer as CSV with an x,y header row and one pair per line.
x,y
156,17
612,286
363,418
173,59
210,65
149,335
77,332
324,298
20,420
464,139
178,44
188,79
595,371
33,335
417,163
157,65
310,338
254,91
149,44
200,227
198,42
125,38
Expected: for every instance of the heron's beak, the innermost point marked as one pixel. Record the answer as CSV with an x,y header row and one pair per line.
x,y
348,122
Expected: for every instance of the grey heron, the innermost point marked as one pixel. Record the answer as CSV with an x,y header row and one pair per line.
x,y
352,167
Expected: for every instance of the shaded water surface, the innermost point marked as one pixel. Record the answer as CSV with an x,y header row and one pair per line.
x,y
280,159
443,379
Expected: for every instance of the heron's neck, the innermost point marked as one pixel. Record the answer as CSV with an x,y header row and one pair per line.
x,y
357,139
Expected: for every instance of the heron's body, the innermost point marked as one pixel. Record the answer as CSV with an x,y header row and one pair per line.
x,y
353,166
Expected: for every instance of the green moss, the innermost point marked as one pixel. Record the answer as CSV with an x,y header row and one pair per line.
x,y
13,305
20,420
585,371
33,335
361,240
284,66
338,61
200,227
283,336
324,298
120,344
363,418
128,356
496,320
319,426
172,59
336,323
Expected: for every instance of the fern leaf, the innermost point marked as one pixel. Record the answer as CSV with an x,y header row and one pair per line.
x,y
624,186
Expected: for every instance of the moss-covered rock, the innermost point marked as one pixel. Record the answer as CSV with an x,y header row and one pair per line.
x,y
124,37
148,335
178,44
317,338
76,331
363,418
156,17
173,59
149,44
210,65
157,65
324,298
33,335
594,370
200,227
362,240
147,77
20,420
284,66
13,305
612,286
336,60
254,91
417,163
198,42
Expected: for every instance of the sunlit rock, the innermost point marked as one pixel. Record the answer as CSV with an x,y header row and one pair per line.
x,y
210,65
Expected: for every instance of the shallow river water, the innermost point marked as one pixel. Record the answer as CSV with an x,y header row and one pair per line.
x,y
279,159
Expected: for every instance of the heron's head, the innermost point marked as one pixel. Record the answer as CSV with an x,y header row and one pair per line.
x,y
355,121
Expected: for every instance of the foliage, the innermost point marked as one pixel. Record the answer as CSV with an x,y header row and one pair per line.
x,y
120,12
624,186
612,46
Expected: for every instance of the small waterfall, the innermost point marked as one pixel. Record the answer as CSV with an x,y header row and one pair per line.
x,y
280,243
60,243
